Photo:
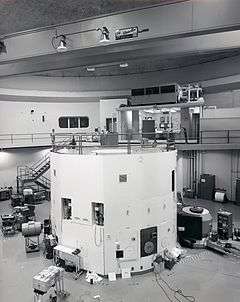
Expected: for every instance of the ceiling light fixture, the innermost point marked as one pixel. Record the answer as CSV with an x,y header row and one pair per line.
x,y
104,34
123,65
62,44
62,38
2,47
91,68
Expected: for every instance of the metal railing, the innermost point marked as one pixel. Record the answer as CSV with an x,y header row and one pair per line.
x,y
219,137
10,138
85,141
203,137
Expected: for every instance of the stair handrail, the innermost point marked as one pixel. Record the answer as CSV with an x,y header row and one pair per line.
x,y
44,180
29,173
33,172
41,161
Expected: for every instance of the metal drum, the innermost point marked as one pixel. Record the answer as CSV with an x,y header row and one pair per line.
x,y
31,228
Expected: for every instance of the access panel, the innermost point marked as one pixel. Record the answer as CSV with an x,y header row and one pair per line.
x,y
148,241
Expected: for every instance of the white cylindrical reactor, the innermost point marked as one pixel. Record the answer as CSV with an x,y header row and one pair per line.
x,y
119,209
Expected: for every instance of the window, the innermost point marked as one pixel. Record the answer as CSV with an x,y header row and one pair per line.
x,y
73,122
136,92
152,90
67,208
63,122
84,122
168,89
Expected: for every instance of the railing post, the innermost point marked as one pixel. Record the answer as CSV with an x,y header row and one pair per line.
x,y
18,185
80,145
52,135
11,138
128,144
228,136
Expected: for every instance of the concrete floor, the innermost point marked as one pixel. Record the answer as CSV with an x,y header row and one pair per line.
x,y
207,276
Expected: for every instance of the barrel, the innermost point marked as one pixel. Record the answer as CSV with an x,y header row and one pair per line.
x,y
31,228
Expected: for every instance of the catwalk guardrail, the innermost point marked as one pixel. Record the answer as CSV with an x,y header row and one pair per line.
x,y
83,141
219,137
15,138
203,137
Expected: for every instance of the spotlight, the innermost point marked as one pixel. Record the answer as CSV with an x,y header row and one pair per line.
x,y
62,44
62,47
90,68
2,47
123,65
104,34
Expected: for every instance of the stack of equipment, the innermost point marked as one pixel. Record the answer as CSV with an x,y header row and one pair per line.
x,y
23,214
51,277
31,232
67,257
50,242
28,196
8,224
5,193
224,225
16,200
46,227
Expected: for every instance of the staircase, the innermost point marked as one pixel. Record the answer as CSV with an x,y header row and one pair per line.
x,y
32,177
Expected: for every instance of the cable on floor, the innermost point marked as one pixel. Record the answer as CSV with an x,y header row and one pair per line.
x,y
176,292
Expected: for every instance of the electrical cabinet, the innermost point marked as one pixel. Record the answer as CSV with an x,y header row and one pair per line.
x,y
206,187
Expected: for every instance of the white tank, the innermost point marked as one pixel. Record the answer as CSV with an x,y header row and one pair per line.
x,y
118,209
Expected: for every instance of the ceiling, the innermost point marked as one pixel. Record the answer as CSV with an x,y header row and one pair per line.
x,y
143,65
21,15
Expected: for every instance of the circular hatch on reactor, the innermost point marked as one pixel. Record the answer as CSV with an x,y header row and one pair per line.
x,y
148,247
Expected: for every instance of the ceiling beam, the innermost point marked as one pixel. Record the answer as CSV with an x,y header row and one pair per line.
x,y
176,29
123,52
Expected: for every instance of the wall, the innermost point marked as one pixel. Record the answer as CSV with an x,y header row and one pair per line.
x,y
108,110
223,164
227,99
10,159
16,117
223,124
